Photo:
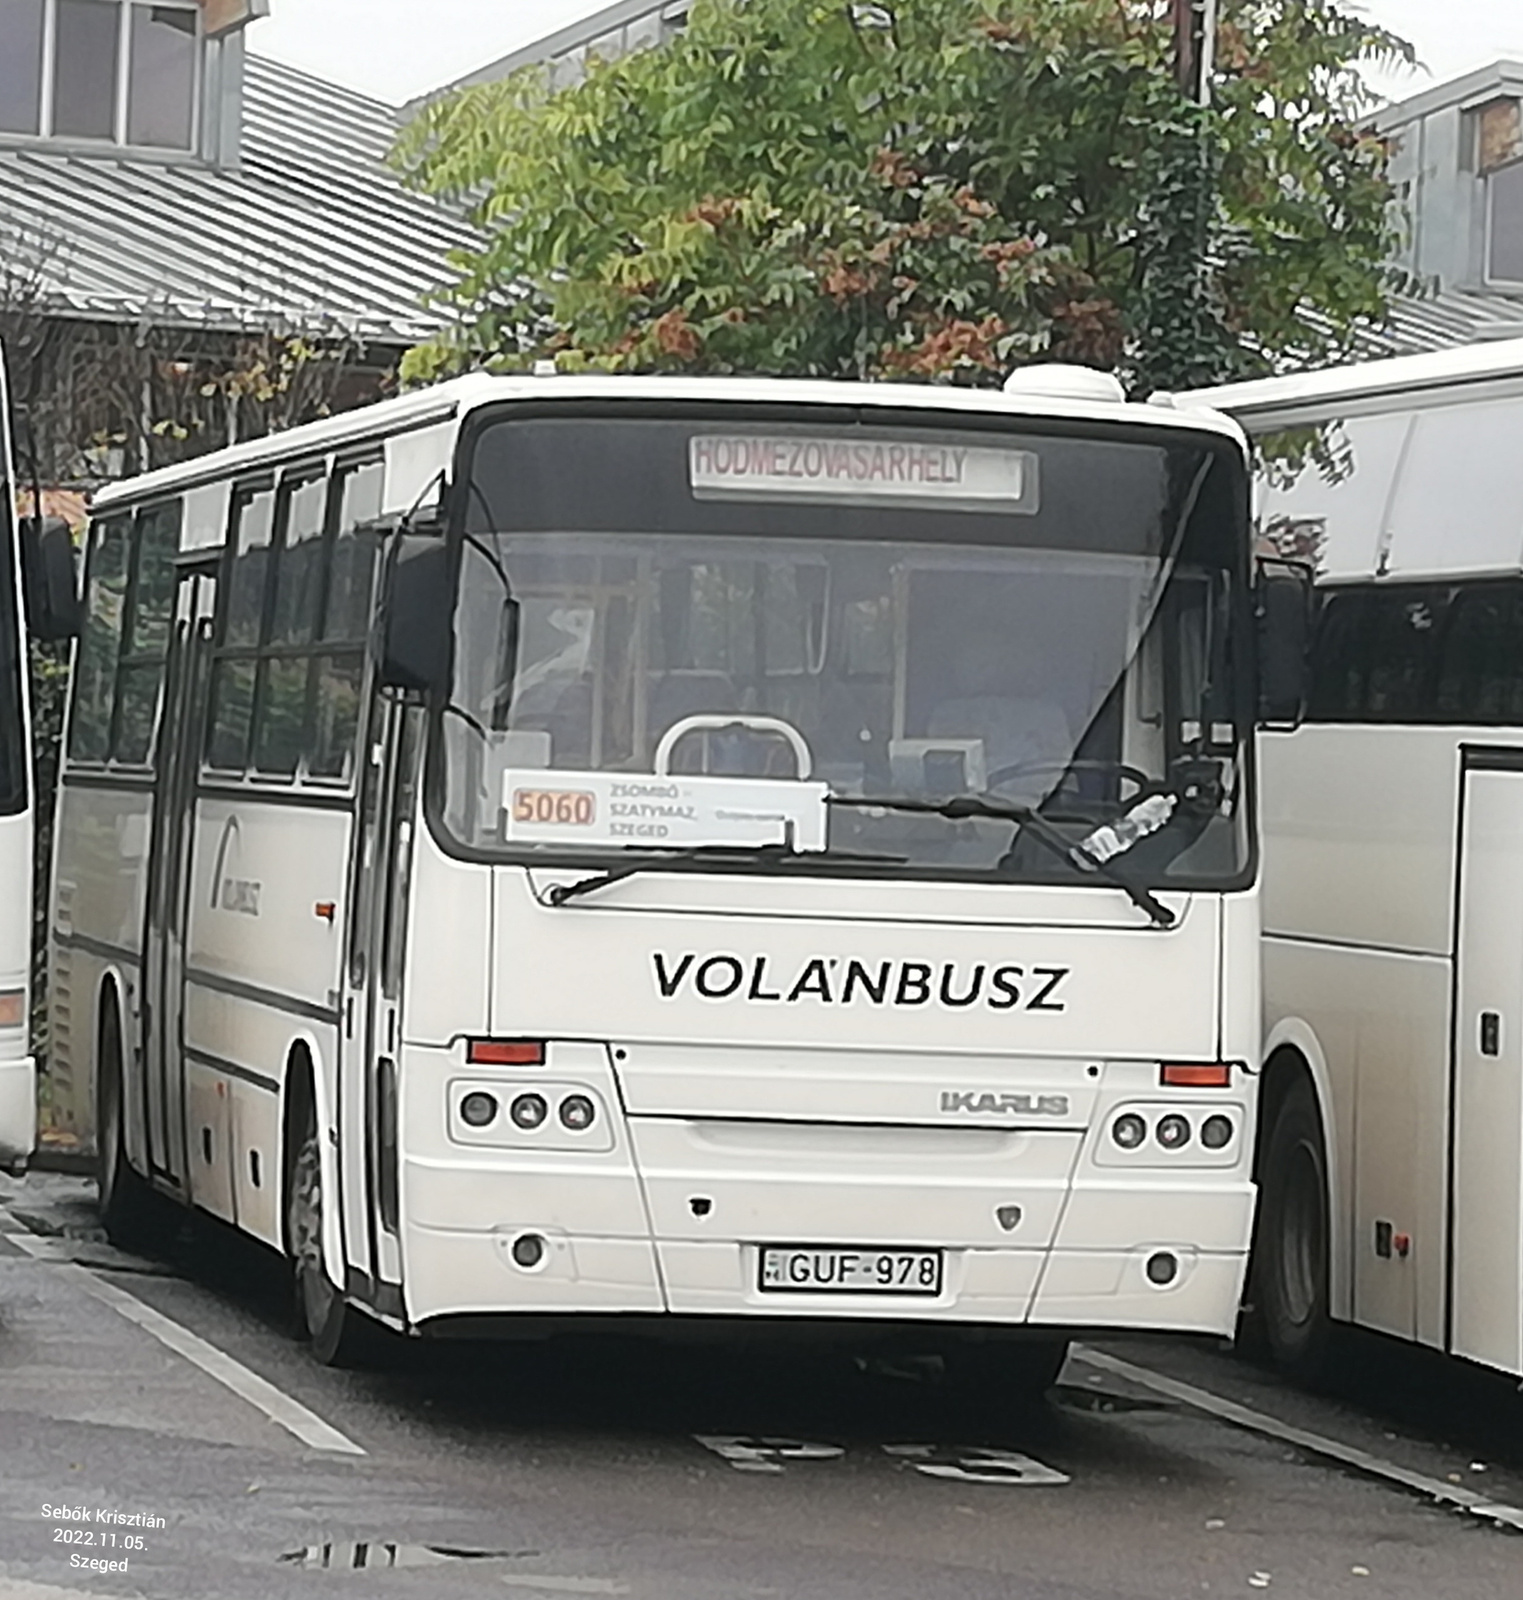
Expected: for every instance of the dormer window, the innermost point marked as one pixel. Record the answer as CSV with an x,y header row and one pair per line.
x,y
1499,129
122,72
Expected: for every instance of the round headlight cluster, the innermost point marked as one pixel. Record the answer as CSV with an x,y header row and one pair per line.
x,y
478,1108
1172,1131
530,1110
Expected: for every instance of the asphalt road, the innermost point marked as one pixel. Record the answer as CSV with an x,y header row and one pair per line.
x,y
171,1388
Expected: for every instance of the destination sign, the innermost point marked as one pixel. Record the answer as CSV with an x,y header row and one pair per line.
x,y
646,809
865,471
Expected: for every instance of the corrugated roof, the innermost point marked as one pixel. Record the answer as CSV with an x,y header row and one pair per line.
x,y
313,232
1443,320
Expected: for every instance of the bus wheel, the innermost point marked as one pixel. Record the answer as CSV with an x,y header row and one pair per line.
x,y
1291,1264
321,1313
127,1202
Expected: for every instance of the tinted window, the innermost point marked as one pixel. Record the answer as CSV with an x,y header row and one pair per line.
x,y
1410,653
291,665
13,786
100,644
1481,675
253,530
298,572
119,669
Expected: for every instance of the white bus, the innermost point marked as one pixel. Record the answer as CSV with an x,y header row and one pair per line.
x,y
1393,879
18,1095
557,848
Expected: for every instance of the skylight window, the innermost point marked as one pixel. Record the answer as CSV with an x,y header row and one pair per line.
x,y
121,72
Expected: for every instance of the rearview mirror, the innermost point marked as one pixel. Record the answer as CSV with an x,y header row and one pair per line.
x,y
1283,597
417,616
507,663
48,583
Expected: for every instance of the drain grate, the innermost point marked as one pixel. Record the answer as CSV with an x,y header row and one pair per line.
x,y
353,1555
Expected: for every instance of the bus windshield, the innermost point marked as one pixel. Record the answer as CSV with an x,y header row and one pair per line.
x,y
870,612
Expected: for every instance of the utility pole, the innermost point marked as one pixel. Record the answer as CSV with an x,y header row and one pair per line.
x,y
1194,47
1179,340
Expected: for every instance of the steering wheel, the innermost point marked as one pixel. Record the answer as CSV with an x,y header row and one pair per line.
x,y
1017,769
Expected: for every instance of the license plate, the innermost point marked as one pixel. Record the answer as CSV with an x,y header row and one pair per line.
x,y
807,1269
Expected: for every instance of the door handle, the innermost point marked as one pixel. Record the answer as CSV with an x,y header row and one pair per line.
x,y
1491,1033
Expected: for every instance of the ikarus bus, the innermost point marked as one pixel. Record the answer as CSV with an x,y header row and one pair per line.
x,y
554,849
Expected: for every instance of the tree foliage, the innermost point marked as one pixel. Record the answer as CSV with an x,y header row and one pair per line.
x,y
925,189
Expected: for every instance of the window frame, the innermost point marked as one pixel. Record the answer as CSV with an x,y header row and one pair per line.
x,y
122,100
1513,171
1454,600
125,659
284,482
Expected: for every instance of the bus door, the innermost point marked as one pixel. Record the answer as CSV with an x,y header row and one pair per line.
x,y
168,891
368,1090
1486,1267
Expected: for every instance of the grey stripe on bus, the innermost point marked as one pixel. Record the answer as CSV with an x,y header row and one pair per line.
x,y
231,1069
239,990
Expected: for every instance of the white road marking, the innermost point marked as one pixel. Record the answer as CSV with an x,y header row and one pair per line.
x,y
974,1464
280,1408
20,1589
528,1580
749,1454
1449,1494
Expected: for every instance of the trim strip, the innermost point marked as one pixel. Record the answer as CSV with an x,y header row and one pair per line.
x,y
336,798
240,990
230,1069
1353,944
103,948
95,778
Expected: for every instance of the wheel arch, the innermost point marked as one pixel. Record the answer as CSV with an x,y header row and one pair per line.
x,y
1292,1053
304,1093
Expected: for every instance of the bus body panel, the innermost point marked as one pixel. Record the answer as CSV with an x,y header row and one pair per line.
x,y
1386,946
18,1087
18,1094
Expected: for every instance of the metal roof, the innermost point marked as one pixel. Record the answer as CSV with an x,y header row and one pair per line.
x,y
1443,320
311,232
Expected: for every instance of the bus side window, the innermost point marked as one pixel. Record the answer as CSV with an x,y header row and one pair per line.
x,y
145,643
228,728
353,559
1339,669
1481,672
1402,637
101,641
285,666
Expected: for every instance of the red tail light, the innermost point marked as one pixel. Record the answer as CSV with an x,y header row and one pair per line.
x,y
12,1007
1197,1075
505,1052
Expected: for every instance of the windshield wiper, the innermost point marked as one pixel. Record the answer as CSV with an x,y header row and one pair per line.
x,y
767,855
962,806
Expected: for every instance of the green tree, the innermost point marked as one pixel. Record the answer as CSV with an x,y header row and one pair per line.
x,y
934,189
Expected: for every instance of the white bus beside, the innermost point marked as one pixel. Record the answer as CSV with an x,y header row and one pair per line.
x,y
18,1094
559,848
1392,1156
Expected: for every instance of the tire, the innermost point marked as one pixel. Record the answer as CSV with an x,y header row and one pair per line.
x,y
130,1211
1003,1371
323,1317
1292,1248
